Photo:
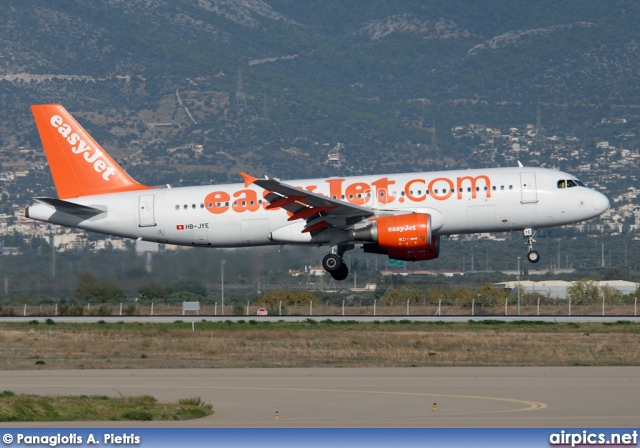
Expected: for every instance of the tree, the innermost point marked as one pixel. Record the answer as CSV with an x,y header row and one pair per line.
x,y
583,292
400,295
153,291
611,295
91,289
275,296
489,295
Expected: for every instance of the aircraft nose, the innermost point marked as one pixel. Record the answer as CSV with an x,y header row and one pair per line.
x,y
600,202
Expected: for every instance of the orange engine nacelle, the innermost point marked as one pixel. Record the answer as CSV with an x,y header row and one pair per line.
x,y
406,231
402,237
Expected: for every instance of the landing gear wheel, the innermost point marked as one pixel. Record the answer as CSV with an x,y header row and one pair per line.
x,y
533,256
341,273
331,263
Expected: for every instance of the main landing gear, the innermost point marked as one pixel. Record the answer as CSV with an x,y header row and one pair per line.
x,y
533,256
333,263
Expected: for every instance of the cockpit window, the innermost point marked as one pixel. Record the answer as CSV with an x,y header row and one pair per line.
x,y
569,183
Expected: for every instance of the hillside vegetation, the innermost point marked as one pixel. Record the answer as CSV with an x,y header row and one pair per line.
x,y
272,86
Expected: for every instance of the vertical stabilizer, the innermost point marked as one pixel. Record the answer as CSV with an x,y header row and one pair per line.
x,y
79,165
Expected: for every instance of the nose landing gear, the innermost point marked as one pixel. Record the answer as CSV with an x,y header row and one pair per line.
x,y
533,256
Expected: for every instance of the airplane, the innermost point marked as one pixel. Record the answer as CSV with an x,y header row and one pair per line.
x,y
402,216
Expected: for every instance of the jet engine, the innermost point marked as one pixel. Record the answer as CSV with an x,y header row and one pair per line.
x,y
402,237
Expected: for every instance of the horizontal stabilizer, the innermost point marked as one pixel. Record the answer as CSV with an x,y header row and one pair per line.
x,y
70,207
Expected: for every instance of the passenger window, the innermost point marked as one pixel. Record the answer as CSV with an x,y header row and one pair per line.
x,y
177,207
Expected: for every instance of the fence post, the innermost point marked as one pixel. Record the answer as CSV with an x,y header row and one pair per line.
x,y
280,309
121,308
24,313
506,301
473,307
247,308
311,308
407,307
538,306
343,307
569,305
152,308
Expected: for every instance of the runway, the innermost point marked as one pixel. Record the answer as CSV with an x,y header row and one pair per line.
x,y
478,397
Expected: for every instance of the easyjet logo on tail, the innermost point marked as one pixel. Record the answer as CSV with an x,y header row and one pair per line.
x,y
79,146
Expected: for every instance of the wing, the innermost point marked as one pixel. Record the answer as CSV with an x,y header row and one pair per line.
x,y
319,211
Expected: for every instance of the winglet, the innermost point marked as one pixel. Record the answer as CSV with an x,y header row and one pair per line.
x,y
248,179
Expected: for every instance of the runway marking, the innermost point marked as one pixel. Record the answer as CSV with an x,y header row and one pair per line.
x,y
528,405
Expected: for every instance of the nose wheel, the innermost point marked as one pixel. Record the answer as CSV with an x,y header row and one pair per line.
x,y
533,256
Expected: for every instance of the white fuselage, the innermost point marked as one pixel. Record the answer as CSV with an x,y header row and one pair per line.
x,y
462,201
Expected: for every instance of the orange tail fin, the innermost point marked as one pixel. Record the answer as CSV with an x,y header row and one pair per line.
x,y
79,165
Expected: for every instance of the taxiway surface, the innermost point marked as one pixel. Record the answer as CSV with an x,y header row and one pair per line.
x,y
363,397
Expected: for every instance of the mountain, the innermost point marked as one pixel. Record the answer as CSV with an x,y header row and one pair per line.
x,y
210,87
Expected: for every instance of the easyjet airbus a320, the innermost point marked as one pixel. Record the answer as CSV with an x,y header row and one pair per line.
x,y
398,215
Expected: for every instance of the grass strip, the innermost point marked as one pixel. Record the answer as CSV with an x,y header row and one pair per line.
x,y
36,408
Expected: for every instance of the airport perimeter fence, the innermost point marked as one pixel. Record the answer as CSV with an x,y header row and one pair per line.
x,y
322,309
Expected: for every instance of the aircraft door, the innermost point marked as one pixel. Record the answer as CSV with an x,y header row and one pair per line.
x,y
528,188
145,209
